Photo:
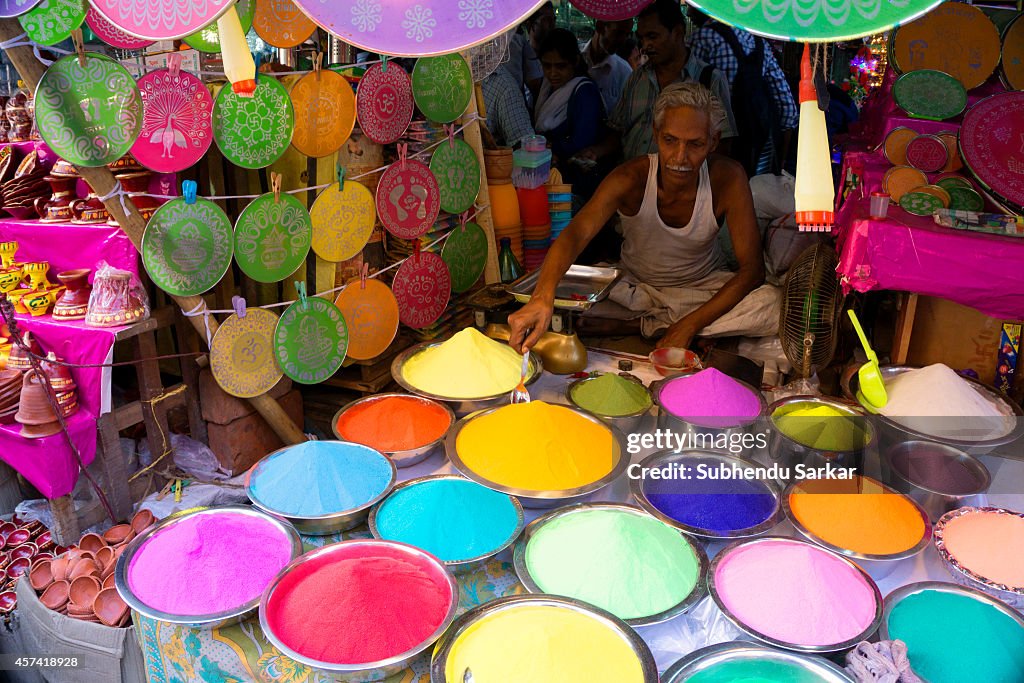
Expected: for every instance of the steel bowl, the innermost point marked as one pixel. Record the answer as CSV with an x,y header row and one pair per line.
x,y
540,499
787,452
408,457
1011,595
764,638
526,578
452,563
708,658
369,671
892,432
628,423
935,502
461,406
903,592
443,649
669,458
683,425
320,525
204,621
878,566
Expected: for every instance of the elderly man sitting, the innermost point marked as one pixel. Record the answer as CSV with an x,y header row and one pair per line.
x,y
671,205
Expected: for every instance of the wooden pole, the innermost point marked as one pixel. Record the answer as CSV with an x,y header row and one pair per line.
x,y
102,182
472,134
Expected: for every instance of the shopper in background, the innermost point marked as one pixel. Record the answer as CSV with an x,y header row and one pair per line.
x,y
538,26
508,119
606,67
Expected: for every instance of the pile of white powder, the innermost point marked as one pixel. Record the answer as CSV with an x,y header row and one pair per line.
x,y
937,401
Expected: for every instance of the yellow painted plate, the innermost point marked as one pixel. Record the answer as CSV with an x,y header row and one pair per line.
x,y
242,354
342,221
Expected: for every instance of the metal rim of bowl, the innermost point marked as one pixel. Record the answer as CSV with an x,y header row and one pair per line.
x,y
342,547
620,461
891,371
952,564
696,594
520,518
899,594
976,466
636,413
439,659
848,411
317,518
380,397
739,650
202,620
810,649
398,365
926,535
746,422
650,462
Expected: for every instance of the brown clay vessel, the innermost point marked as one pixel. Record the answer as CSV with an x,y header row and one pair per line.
x,y
109,606
40,575
92,543
56,596
83,591
118,534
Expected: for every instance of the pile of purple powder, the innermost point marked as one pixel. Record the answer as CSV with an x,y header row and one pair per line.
x,y
710,398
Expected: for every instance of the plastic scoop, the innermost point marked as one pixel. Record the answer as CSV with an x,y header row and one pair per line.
x,y
871,392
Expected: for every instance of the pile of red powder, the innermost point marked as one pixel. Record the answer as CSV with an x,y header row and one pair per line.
x,y
394,423
359,606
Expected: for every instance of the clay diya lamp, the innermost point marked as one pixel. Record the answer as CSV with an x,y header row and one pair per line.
x,y
5,559
118,534
59,568
26,550
40,576
56,595
35,527
14,296
74,302
142,520
6,529
7,252
83,591
105,557
8,601
45,542
44,555
92,543
84,567
18,566
17,537
57,209
137,187
109,607
77,612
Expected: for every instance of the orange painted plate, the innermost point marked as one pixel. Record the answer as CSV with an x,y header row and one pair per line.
x,y
1013,54
900,180
895,147
325,113
955,38
281,23
371,311
954,163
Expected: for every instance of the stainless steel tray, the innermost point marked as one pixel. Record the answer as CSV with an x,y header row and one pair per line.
x,y
579,289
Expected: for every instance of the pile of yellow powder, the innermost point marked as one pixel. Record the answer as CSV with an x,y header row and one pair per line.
x,y
821,426
469,365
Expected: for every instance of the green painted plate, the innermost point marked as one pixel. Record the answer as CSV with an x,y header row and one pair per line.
x,y
965,199
949,182
815,21
465,254
920,204
272,237
311,340
930,94
458,175
253,132
187,248
89,116
442,87
207,39
52,21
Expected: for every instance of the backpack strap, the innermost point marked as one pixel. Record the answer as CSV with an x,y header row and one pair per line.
x,y
705,76
729,36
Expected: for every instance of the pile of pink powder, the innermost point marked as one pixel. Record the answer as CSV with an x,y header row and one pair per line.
x,y
710,398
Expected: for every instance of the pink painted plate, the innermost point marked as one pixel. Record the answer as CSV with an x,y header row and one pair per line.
x,y
161,19
611,10
408,199
177,127
384,103
422,286
927,153
990,144
112,35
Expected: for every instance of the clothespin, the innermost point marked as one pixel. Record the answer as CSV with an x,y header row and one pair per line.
x,y
188,191
174,64
318,63
416,250
300,288
384,63
178,488
76,38
450,129
363,272
339,173
275,186
238,303
403,153
463,219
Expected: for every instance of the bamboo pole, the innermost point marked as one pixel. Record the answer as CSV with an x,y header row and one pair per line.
x,y
483,219
102,182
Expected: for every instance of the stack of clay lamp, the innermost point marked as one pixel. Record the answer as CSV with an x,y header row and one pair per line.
x,y
21,544
80,582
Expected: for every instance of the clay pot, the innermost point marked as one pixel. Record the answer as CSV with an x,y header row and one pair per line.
x,y
118,534
105,557
136,184
92,543
64,168
142,520
84,567
59,568
114,300
83,591
17,537
57,208
498,163
18,360
26,550
8,600
17,567
40,575
56,596
89,210
109,607
74,303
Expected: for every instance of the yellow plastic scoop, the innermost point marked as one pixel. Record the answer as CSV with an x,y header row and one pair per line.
x,y
871,393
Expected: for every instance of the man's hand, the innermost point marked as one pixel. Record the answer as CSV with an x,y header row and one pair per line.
x,y
528,324
678,335
588,154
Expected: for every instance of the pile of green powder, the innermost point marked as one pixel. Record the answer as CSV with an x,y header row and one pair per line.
x,y
611,395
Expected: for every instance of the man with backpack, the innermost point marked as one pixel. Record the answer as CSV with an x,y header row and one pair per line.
x,y
762,102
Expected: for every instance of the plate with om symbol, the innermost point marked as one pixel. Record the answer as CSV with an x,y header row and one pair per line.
x,y
242,354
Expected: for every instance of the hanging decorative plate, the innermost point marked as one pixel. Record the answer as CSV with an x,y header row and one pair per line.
x,y
938,192
948,182
242,354
112,35
207,39
177,127
415,28
253,132
930,94
814,21
920,203
442,87
52,21
187,247
13,8
371,312
408,199
900,180
385,103
955,163
465,254
325,113
457,171
88,116
928,153
611,10
342,221
895,148
422,286
956,38
281,23
1013,54
272,237
965,199
990,145
161,19
311,340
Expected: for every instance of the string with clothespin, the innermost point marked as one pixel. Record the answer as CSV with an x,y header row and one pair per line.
x,y
300,289
238,303
463,219
79,43
403,154
188,193
363,272
275,186
339,173
174,64
318,61
384,63
23,40
450,130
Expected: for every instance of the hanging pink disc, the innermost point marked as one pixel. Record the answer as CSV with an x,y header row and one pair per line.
x,y
422,286
112,35
611,10
408,199
177,127
384,103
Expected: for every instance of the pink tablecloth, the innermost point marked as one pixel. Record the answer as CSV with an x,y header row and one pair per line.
x,y
67,246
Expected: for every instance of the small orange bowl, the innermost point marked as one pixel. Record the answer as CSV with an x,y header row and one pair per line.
x,y
673,360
